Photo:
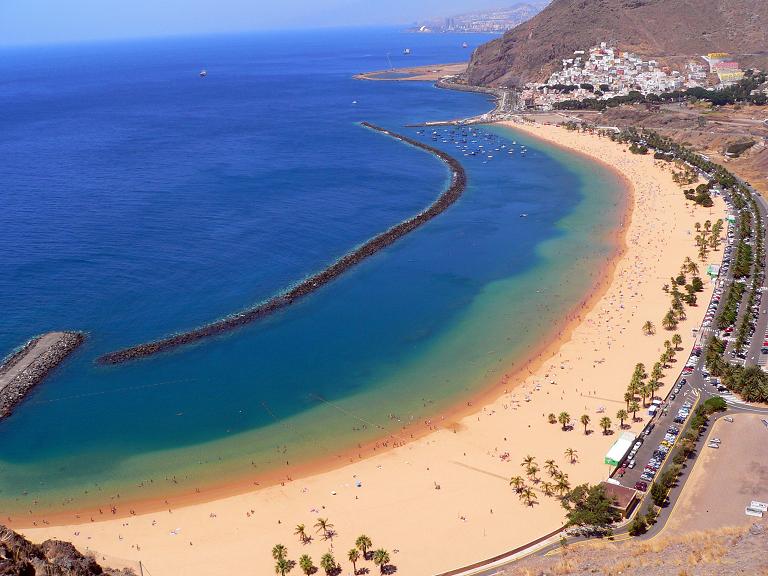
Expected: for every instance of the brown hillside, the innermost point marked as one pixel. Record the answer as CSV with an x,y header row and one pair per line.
x,y
724,552
532,50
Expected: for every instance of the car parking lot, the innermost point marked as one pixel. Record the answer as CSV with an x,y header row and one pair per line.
x,y
652,447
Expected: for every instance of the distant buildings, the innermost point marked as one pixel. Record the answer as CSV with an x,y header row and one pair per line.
x,y
604,72
727,70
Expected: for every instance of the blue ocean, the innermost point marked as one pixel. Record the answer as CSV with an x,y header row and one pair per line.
x,y
141,199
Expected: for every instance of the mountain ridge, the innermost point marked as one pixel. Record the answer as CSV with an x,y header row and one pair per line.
x,y
659,28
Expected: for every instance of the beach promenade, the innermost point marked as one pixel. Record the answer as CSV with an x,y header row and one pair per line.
x,y
444,500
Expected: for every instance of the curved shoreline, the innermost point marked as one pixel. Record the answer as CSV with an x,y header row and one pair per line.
x,y
452,193
519,368
409,471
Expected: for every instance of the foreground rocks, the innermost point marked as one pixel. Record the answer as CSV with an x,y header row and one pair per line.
x,y
19,557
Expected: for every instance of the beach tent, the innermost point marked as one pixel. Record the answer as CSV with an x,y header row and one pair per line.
x,y
619,449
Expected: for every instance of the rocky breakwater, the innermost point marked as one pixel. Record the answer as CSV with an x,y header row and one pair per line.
x,y
26,367
449,196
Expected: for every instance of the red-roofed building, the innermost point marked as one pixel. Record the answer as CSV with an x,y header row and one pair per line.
x,y
624,498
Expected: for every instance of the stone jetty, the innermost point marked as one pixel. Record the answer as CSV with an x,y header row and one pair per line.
x,y
449,196
26,367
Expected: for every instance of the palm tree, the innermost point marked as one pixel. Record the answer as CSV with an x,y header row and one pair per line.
x,y
527,461
562,485
677,340
634,407
552,418
306,565
279,551
322,525
353,556
605,424
381,559
283,566
649,328
657,372
530,496
564,419
645,391
628,397
669,322
585,420
550,467
301,532
548,489
328,563
517,483
633,385
532,470
573,454
621,415
363,543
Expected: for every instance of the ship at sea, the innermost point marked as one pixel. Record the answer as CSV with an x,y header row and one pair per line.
x,y
203,73
407,51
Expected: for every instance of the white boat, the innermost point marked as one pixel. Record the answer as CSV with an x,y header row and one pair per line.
x,y
464,45
203,73
407,51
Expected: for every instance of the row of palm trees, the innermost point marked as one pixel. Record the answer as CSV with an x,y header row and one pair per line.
x,y
564,418
676,313
363,550
558,483
708,237
638,386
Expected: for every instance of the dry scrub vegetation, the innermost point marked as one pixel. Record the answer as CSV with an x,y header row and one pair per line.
x,y
728,551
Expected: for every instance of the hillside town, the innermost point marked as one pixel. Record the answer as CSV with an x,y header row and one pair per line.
x,y
604,72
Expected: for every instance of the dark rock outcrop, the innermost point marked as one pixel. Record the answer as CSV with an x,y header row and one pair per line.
x,y
20,557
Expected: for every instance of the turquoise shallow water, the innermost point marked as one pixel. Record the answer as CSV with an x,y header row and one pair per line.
x,y
142,202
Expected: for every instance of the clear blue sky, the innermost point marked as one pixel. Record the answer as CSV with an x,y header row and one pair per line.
x,y
50,21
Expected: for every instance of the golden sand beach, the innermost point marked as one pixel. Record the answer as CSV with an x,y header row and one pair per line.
x,y
444,500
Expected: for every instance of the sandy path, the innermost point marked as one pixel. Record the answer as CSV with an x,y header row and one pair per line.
x,y
474,514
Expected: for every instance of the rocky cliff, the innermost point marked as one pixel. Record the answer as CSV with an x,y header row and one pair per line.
x,y
19,557
660,28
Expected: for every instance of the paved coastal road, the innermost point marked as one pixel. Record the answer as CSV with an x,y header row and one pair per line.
x,y
753,354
